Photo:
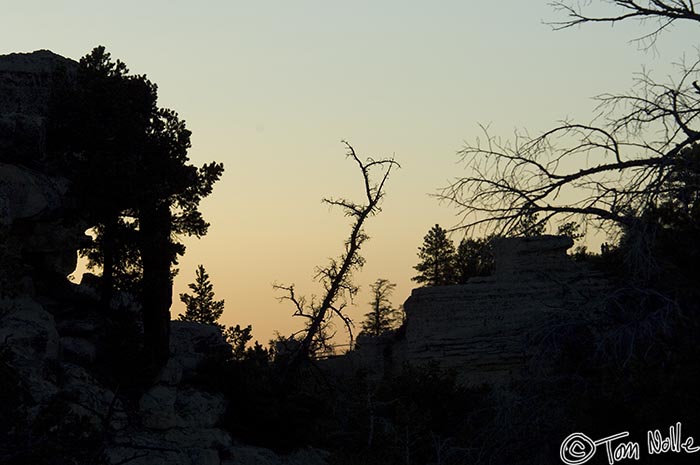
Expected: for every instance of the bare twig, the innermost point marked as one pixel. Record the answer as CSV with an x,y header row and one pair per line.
x,y
663,12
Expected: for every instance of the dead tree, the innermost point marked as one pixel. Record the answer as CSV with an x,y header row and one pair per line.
x,y
609,171
336,277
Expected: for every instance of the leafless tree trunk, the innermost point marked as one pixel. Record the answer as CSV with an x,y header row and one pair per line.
x,y
336,277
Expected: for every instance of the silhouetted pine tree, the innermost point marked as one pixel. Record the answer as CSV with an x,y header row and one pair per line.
x,y
437,259
383,316
201,306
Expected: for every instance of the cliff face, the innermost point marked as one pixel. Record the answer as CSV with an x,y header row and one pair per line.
x,y
39,244
487,329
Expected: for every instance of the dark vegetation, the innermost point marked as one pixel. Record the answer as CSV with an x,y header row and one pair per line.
x,y
411,418
441,265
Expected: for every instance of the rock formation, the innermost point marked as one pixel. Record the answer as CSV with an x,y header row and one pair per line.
x,y
59,347
487,328
39,242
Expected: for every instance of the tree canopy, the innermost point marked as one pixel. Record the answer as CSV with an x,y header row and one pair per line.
x,y
131,176
474,258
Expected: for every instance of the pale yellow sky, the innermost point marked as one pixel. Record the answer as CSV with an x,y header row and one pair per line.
x,y
270,88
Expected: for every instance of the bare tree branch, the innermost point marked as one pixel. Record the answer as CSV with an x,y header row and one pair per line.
x,y
610,170
664,12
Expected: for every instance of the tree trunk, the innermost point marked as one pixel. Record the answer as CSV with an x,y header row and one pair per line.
x,y
109,252
156,298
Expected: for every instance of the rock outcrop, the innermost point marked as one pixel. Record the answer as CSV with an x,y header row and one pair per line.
x,y
39,241
487,328
29,84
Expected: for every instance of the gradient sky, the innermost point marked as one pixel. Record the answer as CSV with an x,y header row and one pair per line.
x,y
270,88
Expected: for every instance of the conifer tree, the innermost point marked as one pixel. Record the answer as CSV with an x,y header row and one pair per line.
x,y
383,315
201,306
437,259
130,174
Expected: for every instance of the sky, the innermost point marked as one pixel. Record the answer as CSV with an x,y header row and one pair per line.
x,y
270,88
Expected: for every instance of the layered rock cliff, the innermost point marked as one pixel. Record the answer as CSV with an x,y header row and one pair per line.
x,y
489,328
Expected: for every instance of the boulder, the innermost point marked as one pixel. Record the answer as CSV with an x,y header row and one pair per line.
x,y
84,390
26,193
249,455
190,345
31,205
146,456
78,350
157,407
204,456
528,257
173,446
29,332
199,409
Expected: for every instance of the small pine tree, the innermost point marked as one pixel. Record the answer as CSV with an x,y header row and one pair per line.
x,y
437,259
383,315
201,307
